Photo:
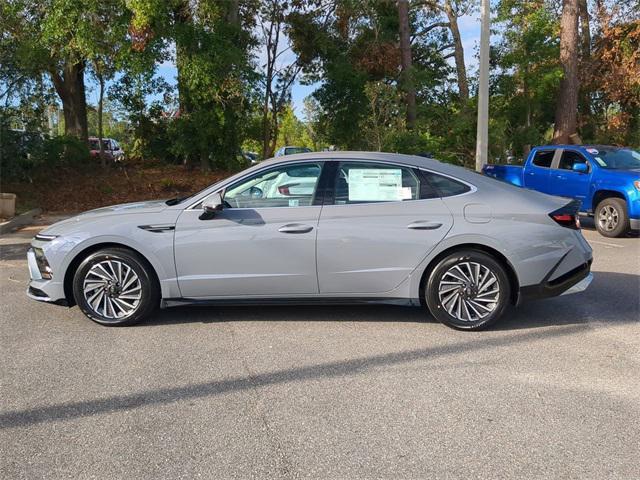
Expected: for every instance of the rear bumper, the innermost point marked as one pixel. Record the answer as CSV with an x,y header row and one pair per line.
x,y
574,281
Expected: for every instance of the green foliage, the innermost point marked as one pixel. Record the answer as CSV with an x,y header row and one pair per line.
x,y
24,155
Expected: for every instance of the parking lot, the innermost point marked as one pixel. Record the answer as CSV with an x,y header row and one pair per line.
x,y
553,391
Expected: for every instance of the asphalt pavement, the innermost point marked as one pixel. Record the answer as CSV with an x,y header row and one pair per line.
x,y
553,391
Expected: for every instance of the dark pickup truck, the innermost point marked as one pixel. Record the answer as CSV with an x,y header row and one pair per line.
x,y
605,179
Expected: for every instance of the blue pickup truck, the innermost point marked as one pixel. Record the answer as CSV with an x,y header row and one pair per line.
x,y
605,179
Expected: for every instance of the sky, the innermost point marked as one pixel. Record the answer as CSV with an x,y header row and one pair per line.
x,y
469,26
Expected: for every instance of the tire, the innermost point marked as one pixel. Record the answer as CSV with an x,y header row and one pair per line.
x,y
611,217
104,274
466,279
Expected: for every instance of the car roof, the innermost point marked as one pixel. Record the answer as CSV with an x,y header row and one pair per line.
x,y
398,158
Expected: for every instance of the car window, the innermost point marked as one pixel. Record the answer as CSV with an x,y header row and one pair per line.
x,y
544,158
569,157
364,182
447,187
284,186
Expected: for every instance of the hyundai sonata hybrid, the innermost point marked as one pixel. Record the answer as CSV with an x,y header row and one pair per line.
x,y
344,227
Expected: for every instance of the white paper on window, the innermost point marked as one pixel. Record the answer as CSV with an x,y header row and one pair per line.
x,y
375,184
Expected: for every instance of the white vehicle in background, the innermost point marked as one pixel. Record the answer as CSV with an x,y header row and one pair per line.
x,y
110,148
289,150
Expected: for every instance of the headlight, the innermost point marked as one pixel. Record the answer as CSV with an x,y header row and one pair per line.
x,y
43,265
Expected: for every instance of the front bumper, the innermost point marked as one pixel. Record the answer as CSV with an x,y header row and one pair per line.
x,y
42,289
634,223
574,281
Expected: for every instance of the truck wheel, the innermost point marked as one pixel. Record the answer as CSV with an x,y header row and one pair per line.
x,y
611,217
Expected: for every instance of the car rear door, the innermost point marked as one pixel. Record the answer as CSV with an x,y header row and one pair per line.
x,y
262,243
378,222
536,172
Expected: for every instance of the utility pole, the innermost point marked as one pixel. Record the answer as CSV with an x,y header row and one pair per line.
x,y
482,135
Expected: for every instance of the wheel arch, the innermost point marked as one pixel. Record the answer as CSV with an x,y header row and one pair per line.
x,y
84,253
602,194
496,254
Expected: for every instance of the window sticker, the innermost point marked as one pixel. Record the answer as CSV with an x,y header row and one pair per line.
x,y
375,184
592,151
601,162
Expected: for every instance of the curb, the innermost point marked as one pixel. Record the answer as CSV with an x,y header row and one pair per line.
x,y
21,220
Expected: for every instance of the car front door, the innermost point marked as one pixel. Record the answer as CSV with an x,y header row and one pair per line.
x,y
263,242
377,224
536,173
566,182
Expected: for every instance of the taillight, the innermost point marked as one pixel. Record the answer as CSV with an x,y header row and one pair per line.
x,y
567,216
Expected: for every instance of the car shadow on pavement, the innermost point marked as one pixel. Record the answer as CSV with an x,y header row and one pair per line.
x,y
336,369
612,297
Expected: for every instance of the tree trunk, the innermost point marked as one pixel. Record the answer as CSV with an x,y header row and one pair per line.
x,y
567,106
585,55
405,58
458,52
103,160
69,85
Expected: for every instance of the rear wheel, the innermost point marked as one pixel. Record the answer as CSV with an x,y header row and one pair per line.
x,y
611,217
468,290
115,287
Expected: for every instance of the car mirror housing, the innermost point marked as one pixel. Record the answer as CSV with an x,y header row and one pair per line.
x,y
212,204
580,167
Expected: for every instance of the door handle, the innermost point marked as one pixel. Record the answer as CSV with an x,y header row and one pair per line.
x,y
424,225
295,228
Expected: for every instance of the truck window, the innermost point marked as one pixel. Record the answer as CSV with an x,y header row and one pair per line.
x,y
569,157
543,158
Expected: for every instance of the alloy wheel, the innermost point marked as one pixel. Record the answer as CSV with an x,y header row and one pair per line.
x,y
112,289
469,291
608,218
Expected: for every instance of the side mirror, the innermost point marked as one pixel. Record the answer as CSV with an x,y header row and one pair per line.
x,y
580,168
211,205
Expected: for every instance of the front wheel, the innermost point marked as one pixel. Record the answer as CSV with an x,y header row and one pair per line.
x,y
468,290
115,287
611,217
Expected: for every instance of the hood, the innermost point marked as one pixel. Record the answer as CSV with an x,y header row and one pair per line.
x,y
152,206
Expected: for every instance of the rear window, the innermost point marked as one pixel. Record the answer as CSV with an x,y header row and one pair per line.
x,y
544,158
375,182
447,187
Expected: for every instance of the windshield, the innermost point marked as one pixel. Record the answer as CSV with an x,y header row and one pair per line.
x,y
616,158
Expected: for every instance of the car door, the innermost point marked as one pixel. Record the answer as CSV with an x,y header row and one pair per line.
x,y
536,174
378,222
566,182
263,242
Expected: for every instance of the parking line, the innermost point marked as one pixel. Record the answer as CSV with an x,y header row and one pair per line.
x,y
607,244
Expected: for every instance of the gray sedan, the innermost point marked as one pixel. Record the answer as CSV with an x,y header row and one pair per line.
x,y
348,227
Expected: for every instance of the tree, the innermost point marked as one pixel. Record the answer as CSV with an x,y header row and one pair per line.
x,y
527,73
453,9
278,75
567,106
405,58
